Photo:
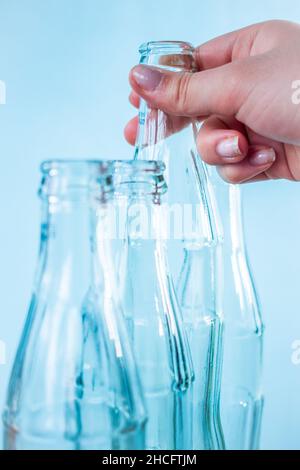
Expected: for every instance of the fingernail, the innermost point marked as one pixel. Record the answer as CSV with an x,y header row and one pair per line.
x,y
229,147
147,77
263,156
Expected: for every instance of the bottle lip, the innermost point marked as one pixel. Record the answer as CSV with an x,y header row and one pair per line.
x,y
58,166
67,179
143,177
74,179
138,166
166,47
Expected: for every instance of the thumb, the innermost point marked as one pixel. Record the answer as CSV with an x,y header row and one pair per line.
x,y
221,90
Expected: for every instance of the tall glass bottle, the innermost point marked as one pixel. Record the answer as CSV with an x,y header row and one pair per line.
x,y
241,393
194,244
74,384
151,308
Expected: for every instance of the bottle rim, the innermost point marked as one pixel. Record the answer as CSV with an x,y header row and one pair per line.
x,y
72,179
57,167
171,47
138,166
143,177
61,177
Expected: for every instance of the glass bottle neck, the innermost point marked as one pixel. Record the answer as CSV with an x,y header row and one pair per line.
x,y
151,133
236,218
171,139
154,125
235,228
241,307
75,251
229,212
67,236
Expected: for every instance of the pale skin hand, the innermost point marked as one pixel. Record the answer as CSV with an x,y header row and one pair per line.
x,y
243,92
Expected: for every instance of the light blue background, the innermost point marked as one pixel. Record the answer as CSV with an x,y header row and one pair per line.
x,y
65,64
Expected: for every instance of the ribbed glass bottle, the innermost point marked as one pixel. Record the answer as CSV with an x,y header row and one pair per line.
x,y
151,307
241,391
74,383
194,244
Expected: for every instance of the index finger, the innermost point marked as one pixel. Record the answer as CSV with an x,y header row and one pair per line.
x,y
222,49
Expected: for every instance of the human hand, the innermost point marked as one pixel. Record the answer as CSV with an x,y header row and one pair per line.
x,y
243,93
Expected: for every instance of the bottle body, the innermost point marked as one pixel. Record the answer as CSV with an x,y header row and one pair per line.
x,y
242,399
194,245
154,318
241,392
156,346
74,385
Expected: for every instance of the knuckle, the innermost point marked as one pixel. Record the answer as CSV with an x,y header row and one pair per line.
x,y
181,97
233,84
229,97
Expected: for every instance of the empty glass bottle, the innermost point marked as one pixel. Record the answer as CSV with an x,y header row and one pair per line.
x,y
241,393
74,383
194,245
151,308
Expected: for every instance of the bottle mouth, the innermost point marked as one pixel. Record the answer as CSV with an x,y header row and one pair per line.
x,y
166,47
74,179
70,179
139,177
170,55
59,167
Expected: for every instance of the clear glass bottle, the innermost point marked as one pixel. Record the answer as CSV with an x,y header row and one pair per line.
x,y
241,392
151,308
194,244
74,383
